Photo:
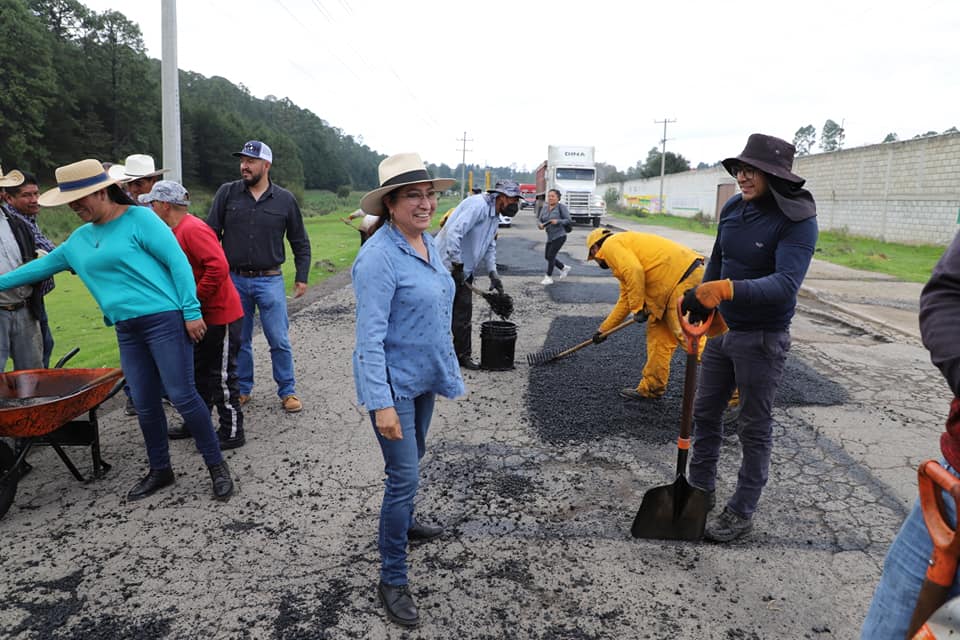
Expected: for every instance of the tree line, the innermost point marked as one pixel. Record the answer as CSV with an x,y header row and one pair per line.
x,y
832,136
76,84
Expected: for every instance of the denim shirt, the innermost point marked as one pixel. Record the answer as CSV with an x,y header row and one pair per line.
x,y
403,346
468,235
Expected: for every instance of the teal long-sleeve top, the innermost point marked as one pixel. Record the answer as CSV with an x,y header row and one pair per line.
x,y
132,265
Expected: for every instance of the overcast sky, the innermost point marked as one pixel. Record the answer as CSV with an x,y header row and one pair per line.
x,y
520,75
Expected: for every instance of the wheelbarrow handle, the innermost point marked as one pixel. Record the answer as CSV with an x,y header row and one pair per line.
x,y
933,480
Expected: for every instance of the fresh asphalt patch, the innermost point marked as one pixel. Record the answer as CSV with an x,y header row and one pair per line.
x,y
521,257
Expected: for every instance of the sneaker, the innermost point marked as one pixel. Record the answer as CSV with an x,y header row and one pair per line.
x,y
222,482
243,398
564,272
727,526
546,280
129,409
292,404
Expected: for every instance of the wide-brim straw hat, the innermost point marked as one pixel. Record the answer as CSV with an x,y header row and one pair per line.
x,y
12,179
75,181
396,171
136,166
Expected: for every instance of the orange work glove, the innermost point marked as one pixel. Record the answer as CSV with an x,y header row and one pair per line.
x,y
711,294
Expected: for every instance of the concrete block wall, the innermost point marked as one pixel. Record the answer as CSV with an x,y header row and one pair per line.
x,y
906,192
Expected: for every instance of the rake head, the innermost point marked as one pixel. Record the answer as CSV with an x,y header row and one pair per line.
x,y
543,357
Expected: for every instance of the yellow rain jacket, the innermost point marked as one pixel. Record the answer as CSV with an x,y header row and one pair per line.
x,y
650,268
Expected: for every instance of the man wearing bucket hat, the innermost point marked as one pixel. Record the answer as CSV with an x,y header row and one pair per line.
x,y
250,217
135,270
765,241
137,174
215,355
20,307
403,356
653,272
467,245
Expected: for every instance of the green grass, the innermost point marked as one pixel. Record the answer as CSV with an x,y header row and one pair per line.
x,y
76,320
912,263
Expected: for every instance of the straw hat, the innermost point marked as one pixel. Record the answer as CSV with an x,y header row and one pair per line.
x,y
12,179
75,181
396,171
136,166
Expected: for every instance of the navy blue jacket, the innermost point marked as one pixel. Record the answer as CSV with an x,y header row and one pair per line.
x,y
766,255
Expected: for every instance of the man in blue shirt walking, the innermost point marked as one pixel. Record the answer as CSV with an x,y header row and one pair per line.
x,y
765,241
467,247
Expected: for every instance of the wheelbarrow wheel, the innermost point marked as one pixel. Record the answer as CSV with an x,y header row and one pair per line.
x,y
8,480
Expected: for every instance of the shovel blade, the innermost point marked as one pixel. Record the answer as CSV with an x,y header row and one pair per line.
x,y
675,511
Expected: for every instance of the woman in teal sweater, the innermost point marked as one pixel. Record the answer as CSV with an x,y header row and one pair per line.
x,y
135,270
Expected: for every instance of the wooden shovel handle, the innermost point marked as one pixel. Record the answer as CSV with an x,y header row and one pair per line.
x,y
587,343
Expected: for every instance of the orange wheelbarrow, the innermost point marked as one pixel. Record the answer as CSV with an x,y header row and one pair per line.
x,y
42,407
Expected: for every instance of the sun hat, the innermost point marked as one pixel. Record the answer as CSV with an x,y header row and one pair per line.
x,y
75,181
166,191
136,166
771,155
256,149
12,179
396,171
508,188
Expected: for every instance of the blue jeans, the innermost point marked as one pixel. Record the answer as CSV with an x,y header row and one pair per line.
x,y
269,295
20,340
903,573
156,355
751,361
402,465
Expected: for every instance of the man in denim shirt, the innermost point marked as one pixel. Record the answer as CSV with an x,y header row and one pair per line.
x,y
467,246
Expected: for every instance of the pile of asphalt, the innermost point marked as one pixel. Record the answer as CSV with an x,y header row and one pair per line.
x,y
576,398
520,257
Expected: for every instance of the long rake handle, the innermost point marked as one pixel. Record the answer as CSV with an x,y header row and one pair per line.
x,y
587,343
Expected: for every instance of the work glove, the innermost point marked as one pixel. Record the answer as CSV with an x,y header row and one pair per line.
x,y
712,293
640,317
691,305
496,282
598,337
459,276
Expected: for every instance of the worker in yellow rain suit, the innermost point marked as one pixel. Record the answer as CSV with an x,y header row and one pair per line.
x,y
653,272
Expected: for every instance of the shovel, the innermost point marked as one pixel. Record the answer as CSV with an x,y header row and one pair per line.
x,y
678,511
933,480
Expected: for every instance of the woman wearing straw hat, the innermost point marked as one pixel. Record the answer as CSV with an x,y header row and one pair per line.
x,y
404,354
134,268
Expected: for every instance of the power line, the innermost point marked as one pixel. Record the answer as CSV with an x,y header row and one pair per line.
x,y
663,158
463,163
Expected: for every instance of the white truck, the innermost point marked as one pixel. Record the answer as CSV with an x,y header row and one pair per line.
x,y
571,170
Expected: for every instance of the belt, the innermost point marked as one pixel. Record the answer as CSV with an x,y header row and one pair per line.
x,y
257,273
686,274
12,307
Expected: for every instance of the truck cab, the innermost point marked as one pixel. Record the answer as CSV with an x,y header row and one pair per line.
x,y
571,170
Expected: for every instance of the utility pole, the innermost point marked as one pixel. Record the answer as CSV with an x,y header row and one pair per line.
x,y
463,163
170,90
663,159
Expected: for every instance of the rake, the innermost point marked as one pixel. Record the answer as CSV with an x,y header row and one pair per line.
x,y
500,303
548,355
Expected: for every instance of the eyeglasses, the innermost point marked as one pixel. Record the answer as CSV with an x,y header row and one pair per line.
x,y
414,197
748,172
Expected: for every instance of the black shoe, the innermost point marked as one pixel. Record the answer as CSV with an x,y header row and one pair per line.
x,y
399,604
155,480
420,532
129,409
222,483
178,432
226,442
469,363
727,526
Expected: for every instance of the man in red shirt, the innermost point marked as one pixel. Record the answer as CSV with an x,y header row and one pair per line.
x,y
215,356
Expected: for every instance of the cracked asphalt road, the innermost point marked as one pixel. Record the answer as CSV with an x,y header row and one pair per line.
x,y
537,474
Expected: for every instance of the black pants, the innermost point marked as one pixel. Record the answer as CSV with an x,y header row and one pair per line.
x,y
553,248
461,325
215,371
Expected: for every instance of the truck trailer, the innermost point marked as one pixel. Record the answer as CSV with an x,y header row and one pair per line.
x,y
571,170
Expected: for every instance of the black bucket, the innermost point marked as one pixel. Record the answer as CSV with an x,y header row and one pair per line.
x,y
498,338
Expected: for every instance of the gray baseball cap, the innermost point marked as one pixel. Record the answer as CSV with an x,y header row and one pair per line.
x,y
508,188
167,191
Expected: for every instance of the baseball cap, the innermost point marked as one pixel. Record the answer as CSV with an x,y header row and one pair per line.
x,y
256,149
508,188
167,191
